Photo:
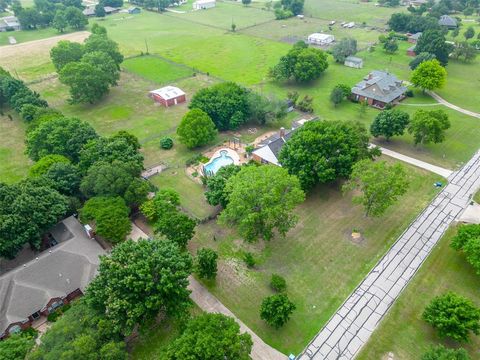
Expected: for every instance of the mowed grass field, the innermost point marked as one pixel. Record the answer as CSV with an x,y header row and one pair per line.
x,y
224,14
350,10
403,331
14,163
156,69
317,258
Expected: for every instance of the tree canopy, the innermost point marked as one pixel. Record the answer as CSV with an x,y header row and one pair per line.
x,y
467,239
453,316
276,310
212,336
138,280
390,123
27,210
16,347
380,185
440,352
429,75
226,104
110,215
216,194
65,52
344,48
42,166
302,64
206,263
62,136
322,151
429,126
433,41
261,199
196,129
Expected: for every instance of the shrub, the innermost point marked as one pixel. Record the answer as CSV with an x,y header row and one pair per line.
x,y
249,259
276,310
278,283
52,317
409,93
166,143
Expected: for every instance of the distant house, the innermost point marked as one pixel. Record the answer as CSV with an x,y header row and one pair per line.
x,y
268,150
134,10
89,11
413,38
110,10
34,288
320,39
353,62
204,4
9,23
415,3
349,25
411,51
448,22
378,89
168,96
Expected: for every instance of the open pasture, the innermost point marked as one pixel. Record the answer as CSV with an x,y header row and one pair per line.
x,y
317,258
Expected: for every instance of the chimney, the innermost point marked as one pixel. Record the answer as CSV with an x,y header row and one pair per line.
x,y
370,76
282,132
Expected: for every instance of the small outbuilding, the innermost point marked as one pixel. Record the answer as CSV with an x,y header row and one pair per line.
x,y
204,4
320,39
89,11
110,10
134,10
9,23
413,38
448,22
354,62
168,96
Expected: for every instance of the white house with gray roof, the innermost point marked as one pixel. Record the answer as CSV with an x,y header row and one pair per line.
x,y
378,89
49,279
448,22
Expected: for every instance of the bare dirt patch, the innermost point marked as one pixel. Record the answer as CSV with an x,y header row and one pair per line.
x,y
34,53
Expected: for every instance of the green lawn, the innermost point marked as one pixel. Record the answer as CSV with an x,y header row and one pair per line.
x,y
226,13
14,163
317,258
294,29
230,56
27,35
156,69
191,192
350,10
403,332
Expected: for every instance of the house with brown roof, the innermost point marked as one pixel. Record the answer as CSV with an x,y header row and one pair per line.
x,y
378,89
44,282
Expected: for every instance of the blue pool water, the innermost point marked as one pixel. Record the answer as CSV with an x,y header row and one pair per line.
x,y
215,164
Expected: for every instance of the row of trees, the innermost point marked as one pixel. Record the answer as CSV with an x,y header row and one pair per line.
x,y
285,9
89,69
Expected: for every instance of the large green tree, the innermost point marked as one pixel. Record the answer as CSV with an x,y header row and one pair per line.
x,y
429,126
380,185
343,49
322,151
100,42
390,123
216,194
75,18
16,347
301,64
206,263
110,215
138,280
429,75
176,226
453,316
43,165
66,52
212,337
104,62
467,239
64,177
433,41
196,129
261,200
440,352
276,310
62,136
226,104
27,210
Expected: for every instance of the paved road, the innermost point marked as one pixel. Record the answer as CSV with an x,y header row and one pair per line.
x,y
418,163
210,303
353,323
451,106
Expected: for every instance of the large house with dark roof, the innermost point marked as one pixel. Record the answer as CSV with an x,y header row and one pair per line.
x,y
378,89
448,22
268,150
36,285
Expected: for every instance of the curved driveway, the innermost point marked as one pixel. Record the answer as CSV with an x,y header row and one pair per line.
x,y
353,323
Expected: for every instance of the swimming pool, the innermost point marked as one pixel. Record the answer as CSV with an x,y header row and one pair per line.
x,y
218,162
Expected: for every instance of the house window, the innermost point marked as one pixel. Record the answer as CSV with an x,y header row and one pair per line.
x,y
14,329
36,315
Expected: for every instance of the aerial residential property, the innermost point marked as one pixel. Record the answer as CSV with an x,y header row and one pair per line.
x,y
378,89
239,179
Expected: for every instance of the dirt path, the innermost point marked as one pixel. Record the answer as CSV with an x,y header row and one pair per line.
x,y
210,303
451,106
